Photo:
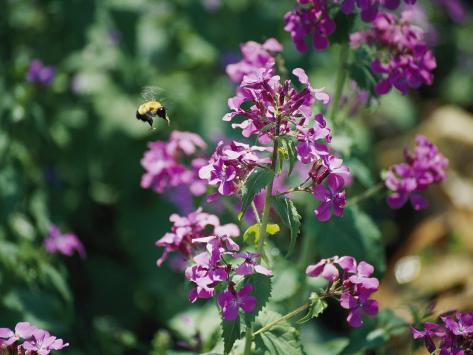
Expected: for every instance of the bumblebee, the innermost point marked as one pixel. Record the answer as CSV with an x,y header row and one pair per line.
x,y
151,108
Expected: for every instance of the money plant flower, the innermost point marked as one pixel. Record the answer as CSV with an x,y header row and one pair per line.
x,y
421,168
403,59
232,300
66,244
353,285
39,73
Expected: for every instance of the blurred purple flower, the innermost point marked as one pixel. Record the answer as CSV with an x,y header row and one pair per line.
x,y
39,73
422,168
255,56
66,244
231,300
455,8
332,199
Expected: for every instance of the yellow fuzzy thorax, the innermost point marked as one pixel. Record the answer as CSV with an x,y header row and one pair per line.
x,y
150,107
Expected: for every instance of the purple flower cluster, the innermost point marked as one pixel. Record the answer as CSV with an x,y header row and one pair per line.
x,y
39,73
35,340
230,164
369,8
66,244
406,62
313,21
455,334
425,166
354,285
312,18
205,244
165,167
255,56
274,107
195,225
210,269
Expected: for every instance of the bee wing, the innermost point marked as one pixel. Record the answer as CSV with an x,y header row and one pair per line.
x,y
150,93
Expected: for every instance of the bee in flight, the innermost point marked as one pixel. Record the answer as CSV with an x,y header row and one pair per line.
x,y
151,107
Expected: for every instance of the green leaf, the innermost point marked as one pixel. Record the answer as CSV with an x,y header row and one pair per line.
x,y
255,182
231,333
251,235
280,339
353,234
262,287
289,216
57,280
288,146
316,308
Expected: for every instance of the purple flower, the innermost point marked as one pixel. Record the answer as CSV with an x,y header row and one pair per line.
x,y
422,168
230,164
164,164
66,244
231,300
324,268
456,334
313,21
354,284
255,56
332,200
39,73
369,8
43,343
23,330
188,228
250,266
456,10
358,304
407,61
271,106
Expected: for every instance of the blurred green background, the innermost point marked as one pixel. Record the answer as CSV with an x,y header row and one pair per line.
x,y
70,152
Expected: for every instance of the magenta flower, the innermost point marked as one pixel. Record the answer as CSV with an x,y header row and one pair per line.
x,y
455,334
165,167
424,167
39,73
324,268
187,229
332,199
313,21
369,9
354,284
407,61
66,244
264,102
42,343
249,266
231,300
23,330
358,304
230,164
255,56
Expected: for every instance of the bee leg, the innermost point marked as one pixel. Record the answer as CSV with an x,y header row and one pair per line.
x,y
168,120
149,120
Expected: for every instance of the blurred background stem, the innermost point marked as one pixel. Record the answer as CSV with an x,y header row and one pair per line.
x,y
340,83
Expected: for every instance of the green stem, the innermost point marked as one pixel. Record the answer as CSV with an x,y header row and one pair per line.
x,y
366,195
248,340
341,77
283,318
269,191
255,212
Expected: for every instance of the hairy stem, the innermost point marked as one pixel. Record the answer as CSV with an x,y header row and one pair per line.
x,y
283,318
340,83
248,340
366,195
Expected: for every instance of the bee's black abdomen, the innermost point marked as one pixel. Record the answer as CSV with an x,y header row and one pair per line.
x,y
161,112
144,118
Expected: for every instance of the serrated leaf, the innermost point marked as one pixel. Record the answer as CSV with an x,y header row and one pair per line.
x,y
255,182
289,216
262,287
317,306
281,339
230,333
251,235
